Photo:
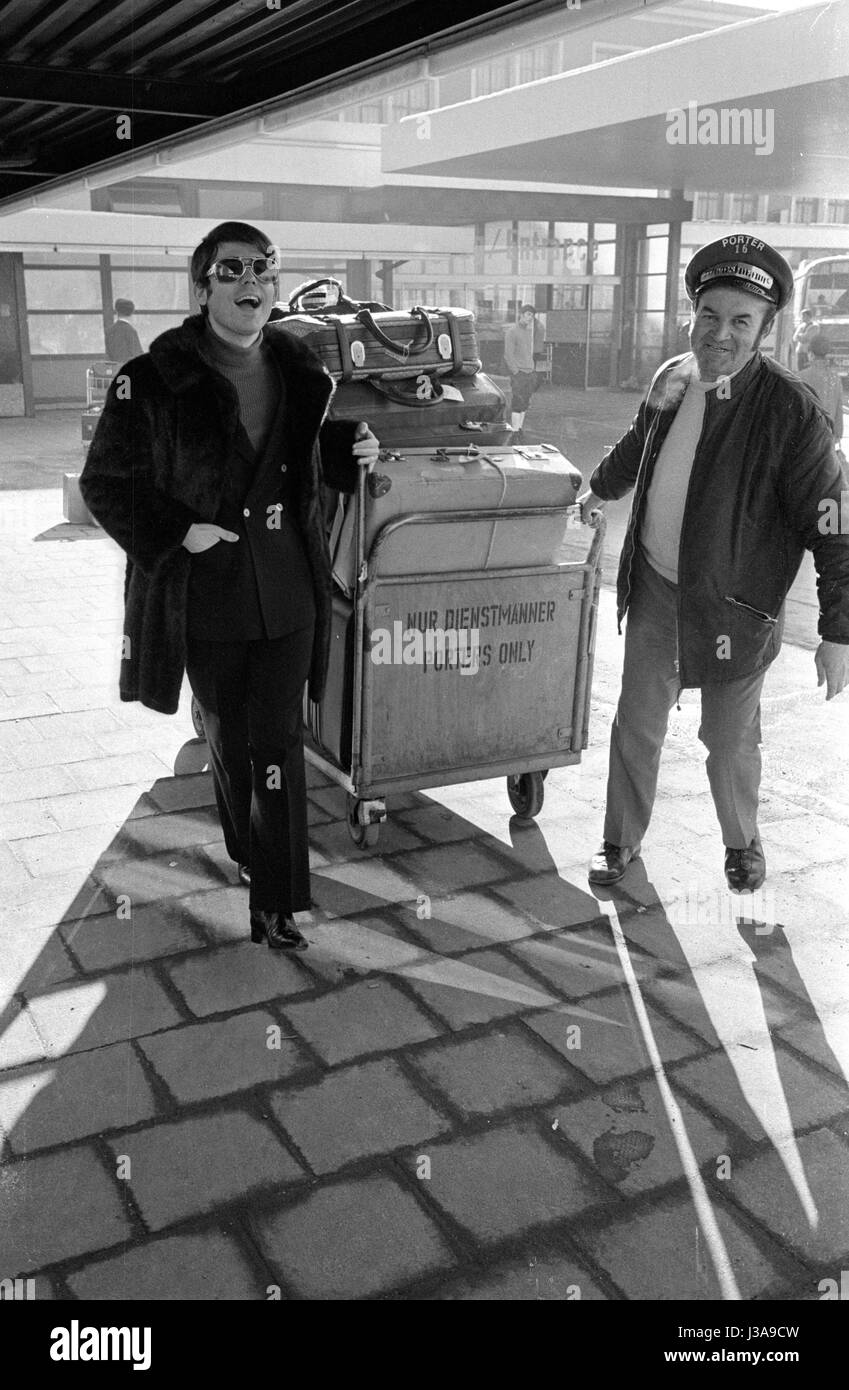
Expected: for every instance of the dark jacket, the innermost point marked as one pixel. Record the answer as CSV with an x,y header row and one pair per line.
x,y
122,341
763,467
159,462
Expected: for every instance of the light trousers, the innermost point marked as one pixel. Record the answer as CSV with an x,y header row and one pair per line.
x,y
730,725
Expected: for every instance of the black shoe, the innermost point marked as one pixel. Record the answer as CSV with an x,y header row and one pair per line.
x,y
279,931
610,862
245,875
745,869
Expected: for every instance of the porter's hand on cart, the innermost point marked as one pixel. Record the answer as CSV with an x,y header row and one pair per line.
x,y
591,508
366,446
203,535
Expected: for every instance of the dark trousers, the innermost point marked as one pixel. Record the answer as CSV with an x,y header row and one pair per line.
x,y
250,695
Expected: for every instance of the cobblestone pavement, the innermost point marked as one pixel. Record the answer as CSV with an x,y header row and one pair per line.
x,y
482,1081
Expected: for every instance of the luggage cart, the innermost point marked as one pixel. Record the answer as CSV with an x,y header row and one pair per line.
x,y
505,703
98,379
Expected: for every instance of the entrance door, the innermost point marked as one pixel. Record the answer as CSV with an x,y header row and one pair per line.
x,y
12,394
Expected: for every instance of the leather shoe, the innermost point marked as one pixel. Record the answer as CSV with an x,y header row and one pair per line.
x,y
278,930
745,869
245,875
610,862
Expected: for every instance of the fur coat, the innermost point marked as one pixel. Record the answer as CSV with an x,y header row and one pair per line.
x,y
159,461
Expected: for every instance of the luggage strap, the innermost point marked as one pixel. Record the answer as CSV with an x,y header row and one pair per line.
x,y
405,350
402,397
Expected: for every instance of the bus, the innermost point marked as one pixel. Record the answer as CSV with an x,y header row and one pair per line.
x,y
821,285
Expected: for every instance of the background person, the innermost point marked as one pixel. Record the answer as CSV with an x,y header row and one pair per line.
x,y
522,345
730,458
208,473
823,377
806,330
122,340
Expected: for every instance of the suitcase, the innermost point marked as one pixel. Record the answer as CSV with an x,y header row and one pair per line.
x,y
447,412
438,480
329,723
390,344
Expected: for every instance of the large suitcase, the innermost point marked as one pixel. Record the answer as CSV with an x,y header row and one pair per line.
x,y
445,412
430,481
390,344
329,723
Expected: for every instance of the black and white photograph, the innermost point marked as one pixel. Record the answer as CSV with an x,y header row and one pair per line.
x,y
424,668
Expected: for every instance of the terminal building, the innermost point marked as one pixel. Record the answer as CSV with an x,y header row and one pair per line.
x,y
573,158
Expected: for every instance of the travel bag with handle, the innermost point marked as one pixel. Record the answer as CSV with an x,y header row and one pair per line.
x,y
450,412
357,342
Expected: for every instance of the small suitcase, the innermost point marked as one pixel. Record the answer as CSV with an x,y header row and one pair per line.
x,y
392,344
444,412
440,480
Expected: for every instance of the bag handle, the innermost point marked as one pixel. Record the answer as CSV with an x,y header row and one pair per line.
x,y
367,319
401,397
312,285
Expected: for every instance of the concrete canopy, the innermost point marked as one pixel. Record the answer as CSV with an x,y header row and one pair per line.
x,y
613,123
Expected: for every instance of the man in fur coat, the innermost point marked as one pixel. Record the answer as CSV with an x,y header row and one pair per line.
x,y
207,469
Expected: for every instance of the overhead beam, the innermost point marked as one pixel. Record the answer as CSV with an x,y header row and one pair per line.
x,y
103,91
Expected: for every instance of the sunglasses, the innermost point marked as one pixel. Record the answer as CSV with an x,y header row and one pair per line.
x,y
265,268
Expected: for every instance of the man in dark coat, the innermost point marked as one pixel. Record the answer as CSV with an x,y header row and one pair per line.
x,y
207,469
734,474
122,340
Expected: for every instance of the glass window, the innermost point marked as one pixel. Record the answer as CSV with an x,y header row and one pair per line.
x,y
165,199
541,61
62,289
152,289
604,258
651,291
149,326
805,209
54,334
604,231
239,204
493,76
57,262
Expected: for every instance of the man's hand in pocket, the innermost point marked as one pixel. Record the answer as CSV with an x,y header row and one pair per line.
x,y
202,535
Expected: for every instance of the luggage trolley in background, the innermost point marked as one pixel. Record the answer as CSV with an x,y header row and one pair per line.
x,y
505,688
98,379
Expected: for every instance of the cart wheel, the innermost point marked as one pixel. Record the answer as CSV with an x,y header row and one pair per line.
x,y
197,719
363,836
526,791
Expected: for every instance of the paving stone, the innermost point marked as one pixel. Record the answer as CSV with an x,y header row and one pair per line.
x,y
331,799
115,804
80,1016
19,1039
48,901
663,1255
191,1166
549,903
353,1240
824,1040
372,1016
610,1038
360,886
171,875
67,849
751,1093
220,915
154,834
462,921
355,1113
151,930
495,1072
627,1134
23,818
119,770
90,721
341,951
201,1268
335,843
449,868
578,964
40,1225
764,1187
538,1279
43,752
26,706
35,782
482,986
181,793
76,1096
730,998
438,824
203,1060
816,971
502,1182
235,976
31,961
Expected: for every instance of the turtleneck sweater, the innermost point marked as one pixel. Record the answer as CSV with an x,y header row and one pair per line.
x,y
251,370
